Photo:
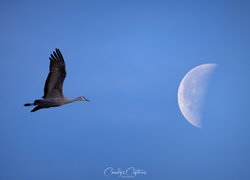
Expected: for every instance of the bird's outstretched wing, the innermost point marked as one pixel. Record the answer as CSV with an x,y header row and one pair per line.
x,y
57,73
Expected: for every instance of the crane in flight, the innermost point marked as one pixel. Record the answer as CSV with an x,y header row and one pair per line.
x,y
53,93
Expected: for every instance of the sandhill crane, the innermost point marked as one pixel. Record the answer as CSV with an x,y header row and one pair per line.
x,y
53,95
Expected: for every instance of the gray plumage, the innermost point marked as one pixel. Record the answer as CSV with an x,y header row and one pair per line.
x,y
53,89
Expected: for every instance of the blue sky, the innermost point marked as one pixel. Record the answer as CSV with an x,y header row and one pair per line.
x,y
128,58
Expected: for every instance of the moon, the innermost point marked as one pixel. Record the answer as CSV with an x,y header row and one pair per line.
x,y
191,93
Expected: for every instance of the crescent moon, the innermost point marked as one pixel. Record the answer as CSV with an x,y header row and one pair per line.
x,y
191,93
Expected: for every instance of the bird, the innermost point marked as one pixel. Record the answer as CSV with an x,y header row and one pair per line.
x,y
53,89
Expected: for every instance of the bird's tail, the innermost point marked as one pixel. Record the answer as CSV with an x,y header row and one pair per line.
x,y
29,104
36,102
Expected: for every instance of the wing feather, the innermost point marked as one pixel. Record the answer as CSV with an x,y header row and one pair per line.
x,y
57,73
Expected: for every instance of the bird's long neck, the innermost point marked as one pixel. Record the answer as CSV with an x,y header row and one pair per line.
x,y
67,100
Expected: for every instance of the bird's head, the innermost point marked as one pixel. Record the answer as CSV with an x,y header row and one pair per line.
x,y
82,98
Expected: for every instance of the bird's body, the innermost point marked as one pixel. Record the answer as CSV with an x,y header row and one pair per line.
x,y
53,94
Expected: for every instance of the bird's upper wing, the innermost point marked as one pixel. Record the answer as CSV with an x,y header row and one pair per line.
x,y
57,73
